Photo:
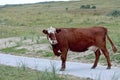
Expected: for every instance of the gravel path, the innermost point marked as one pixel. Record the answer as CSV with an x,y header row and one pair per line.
x,y
73,68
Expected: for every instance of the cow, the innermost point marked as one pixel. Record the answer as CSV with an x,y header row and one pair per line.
x,y
79,40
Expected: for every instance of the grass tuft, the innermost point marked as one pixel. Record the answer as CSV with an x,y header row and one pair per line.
x,y
14,50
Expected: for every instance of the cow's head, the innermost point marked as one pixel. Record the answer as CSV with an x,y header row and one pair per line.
x,y
51,35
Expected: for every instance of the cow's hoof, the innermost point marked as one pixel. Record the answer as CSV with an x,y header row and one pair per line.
x,y
62,69
108,67
93,67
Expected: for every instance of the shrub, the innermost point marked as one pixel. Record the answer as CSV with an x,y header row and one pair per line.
x,y
88,7
82,7
93,7
66,9
85,7
114,13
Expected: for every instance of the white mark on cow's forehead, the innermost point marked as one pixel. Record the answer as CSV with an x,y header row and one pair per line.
x,y
51,30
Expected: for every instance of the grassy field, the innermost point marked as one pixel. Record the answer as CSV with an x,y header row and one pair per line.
x,y
28,21
24,73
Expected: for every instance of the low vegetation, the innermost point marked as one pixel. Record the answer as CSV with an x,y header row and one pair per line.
x,y
115,59
114,13
45,53
14,50
24,73
88,7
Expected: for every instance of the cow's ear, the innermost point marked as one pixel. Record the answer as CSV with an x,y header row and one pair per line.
x,y
58,30
45,31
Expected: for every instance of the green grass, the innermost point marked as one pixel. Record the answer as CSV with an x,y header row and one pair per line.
x,y
28,20
12,73
45,53
26,41
91,57
14,50
48,54
24,73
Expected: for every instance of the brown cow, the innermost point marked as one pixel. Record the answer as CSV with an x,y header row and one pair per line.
x,y
79,40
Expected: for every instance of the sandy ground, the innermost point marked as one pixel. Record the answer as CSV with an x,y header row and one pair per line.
x,y
8,42
33,48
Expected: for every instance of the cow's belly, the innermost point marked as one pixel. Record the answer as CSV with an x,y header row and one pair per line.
x,y
80,45
78,48
83,48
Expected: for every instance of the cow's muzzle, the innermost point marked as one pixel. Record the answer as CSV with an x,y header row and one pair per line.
x,y
54,42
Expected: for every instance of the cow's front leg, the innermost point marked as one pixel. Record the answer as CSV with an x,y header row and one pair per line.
x,y
63,58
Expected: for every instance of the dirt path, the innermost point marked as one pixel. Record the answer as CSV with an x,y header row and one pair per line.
x,y
73,68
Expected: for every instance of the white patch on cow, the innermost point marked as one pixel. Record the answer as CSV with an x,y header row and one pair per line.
x,y
53,42
50,40
51,30
93,48
59,51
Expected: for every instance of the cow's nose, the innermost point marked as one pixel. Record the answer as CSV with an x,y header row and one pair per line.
x,y
54,42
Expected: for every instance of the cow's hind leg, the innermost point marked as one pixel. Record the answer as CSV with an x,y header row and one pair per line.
x,y
106,54
97,56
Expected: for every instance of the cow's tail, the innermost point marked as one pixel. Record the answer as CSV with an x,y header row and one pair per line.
x,y
112,44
